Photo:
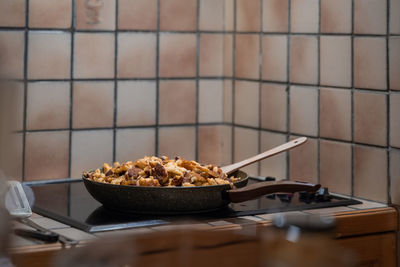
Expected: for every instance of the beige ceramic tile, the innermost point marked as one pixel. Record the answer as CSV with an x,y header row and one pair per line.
x,y
303,64
335,113
215,144
211,15
394,63
274,58
395,120
137,14
136,55
336,61
336,16
48,105
106,17
274,166
46,155
11,159
177,141
248,15
94,55
303,163
136,103
247,56
90,150
335,166
50,13
304,16
228,55
133,144
211,55
395,176
211,100
304,110
177,102
49,55
275,15
12,56
93,104
370,118
370,173
370,16
13,13
273,106
229,10
177,55
227,101
394,17
246,103
12,104
370,63
177,15
245,146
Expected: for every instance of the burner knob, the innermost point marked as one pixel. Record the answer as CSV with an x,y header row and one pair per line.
x,y
323,195
306,197
285,197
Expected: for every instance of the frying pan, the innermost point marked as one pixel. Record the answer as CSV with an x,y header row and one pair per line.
x,y
172,200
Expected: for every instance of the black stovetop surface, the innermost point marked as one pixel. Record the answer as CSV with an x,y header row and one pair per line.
x,y
70,203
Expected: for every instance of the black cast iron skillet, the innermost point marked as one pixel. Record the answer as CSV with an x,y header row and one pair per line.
x,y
174,200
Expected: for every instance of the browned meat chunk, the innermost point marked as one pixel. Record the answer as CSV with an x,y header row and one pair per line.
x,y
133,172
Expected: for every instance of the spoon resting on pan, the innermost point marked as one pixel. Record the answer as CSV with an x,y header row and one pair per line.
x,y
229,169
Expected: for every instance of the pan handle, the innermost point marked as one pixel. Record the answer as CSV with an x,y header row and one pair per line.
x,y
270,187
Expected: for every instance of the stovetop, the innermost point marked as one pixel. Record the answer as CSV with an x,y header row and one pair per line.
x,y
69,202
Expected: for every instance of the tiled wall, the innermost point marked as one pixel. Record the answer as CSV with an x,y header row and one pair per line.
x,y
328,70
213,80
148,79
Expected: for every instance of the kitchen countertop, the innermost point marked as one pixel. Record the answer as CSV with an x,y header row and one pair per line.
x,y
364,227
229,223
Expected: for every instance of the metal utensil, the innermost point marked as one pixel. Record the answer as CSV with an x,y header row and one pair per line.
x,y
18,206
229,169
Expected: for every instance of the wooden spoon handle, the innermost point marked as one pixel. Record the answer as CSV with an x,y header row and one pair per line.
x,y
269,153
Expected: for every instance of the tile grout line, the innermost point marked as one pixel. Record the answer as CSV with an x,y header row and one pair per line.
x,y
116,36
25,82
388,115
352,102
319,94
233,80
196,144
288,84
71,104
157,79
365,90
260,85
193,32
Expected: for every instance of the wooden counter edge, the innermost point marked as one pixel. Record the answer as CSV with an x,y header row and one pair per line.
x,y
351,223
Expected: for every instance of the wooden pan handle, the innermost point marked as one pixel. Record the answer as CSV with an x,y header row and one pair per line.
x,y
270,187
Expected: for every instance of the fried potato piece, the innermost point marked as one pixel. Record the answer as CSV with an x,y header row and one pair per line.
x,y
154,171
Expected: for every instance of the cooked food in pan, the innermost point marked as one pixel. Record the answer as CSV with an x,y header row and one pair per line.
x,y
154,171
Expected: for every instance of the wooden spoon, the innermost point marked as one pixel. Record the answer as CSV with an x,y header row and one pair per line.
x,y
269,153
